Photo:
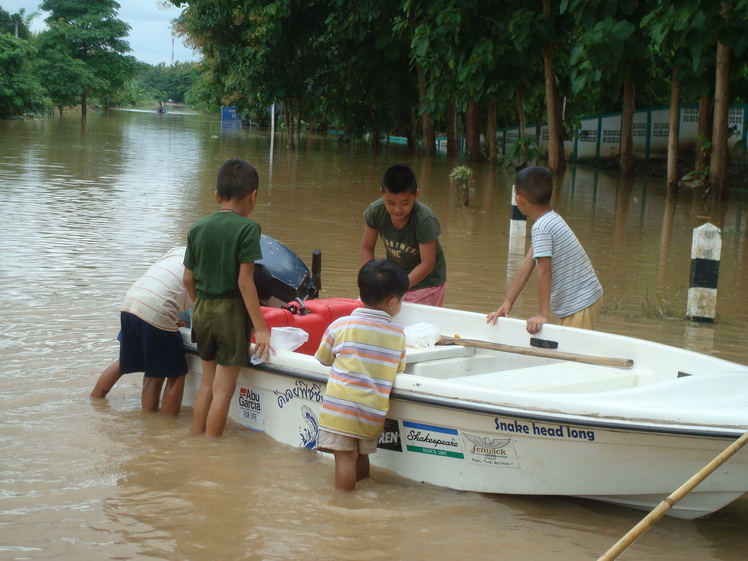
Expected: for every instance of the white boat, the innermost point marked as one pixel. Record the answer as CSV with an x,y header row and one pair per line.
x,y
627,422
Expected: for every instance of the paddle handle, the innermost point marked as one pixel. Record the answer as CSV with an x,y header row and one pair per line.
x,y
659,511
544,353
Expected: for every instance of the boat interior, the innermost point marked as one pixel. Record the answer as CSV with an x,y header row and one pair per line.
x,y
460,364
504,371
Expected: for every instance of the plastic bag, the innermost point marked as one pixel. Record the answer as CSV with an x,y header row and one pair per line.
x,y
287,338
422,335
284,339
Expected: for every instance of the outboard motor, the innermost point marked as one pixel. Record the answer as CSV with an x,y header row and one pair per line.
x,y
291,278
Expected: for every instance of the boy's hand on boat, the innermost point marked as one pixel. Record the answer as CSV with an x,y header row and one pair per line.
x,y
262,349
502,312
536,323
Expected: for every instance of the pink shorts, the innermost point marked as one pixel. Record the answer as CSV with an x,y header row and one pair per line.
x,y
432,296
332,441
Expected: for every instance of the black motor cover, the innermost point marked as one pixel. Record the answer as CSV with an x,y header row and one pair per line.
x,y
291,278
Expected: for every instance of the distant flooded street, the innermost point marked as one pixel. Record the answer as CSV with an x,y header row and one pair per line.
x,y
86,208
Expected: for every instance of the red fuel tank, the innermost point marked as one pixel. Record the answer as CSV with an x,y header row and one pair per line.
x,y
321,312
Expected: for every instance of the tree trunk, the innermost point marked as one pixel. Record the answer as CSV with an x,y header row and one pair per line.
x,y
673,134
704,133
718,169
288,120
521,114
84,105
376,135
522,122
472,132
491,145
556,159
453,140
627,127
429,139
412,131
298,122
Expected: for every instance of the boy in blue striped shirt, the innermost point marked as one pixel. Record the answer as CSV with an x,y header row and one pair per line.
x,y
567,283
365,351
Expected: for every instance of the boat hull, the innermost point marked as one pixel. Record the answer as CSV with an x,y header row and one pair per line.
x,y
490,448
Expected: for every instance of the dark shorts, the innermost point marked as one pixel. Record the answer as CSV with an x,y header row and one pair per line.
x,y
222,330
153,351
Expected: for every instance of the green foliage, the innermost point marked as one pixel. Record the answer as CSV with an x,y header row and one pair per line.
x,y
16,24
64,76
525,150
461,178
659,307
356,62
87,39
20,92
169,82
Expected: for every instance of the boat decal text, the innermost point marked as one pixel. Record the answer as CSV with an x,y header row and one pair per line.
x,y
251,411
302,389
390,437
486,450
536,429
431,439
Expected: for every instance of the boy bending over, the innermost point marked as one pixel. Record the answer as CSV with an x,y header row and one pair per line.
x,y
410,234
366,350
149,336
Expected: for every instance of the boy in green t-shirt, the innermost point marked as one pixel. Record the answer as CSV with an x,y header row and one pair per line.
x,y
219,269
410,234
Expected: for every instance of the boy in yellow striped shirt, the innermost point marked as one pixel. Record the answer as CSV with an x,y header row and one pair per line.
x,y
365,351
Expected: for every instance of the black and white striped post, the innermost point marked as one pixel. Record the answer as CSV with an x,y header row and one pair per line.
x,y
518,223
705,253
517,235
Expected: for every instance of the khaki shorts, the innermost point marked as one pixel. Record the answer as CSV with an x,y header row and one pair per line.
x,y
583,319
332,441
222,328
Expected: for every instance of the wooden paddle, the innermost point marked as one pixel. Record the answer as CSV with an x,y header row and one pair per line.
x,y
544,353
659,511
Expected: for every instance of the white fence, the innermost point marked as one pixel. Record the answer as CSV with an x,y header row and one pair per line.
x,y
599,136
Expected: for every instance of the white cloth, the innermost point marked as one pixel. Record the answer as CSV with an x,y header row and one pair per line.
x,y
159,295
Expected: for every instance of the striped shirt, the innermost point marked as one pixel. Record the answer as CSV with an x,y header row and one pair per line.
x,y
159,295
366,350
574,284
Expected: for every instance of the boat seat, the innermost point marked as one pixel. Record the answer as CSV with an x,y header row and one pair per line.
x,y
416,354
559,377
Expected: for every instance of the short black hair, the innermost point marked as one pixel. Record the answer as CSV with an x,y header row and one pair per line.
x,y
236,179
380,279
535,183
399,179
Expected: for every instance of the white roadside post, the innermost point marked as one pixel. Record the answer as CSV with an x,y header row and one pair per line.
x,y
518,223
517,235
705,254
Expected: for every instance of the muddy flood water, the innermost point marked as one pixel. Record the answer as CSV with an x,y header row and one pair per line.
x,y
85,209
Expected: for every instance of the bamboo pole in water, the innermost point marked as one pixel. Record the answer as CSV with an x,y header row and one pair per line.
x,y
660,510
